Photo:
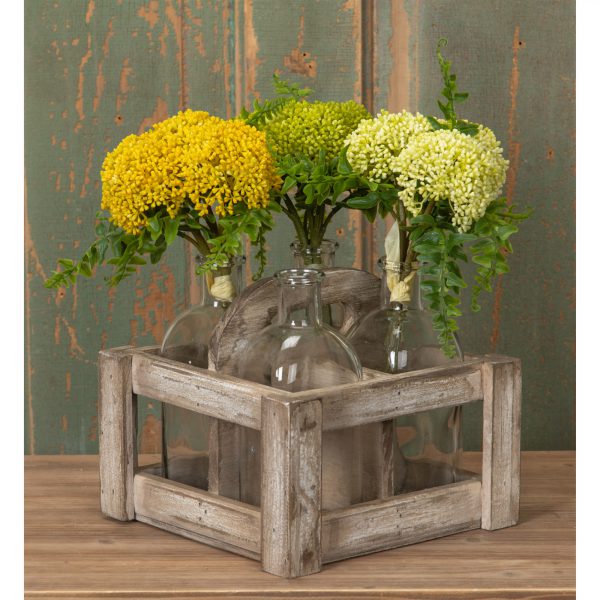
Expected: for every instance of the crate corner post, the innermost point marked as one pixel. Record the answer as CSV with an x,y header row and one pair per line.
x,y
117,440
500,480
291,486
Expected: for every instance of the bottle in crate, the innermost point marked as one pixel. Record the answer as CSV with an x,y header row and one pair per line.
x,y
398,337
185,433
298,353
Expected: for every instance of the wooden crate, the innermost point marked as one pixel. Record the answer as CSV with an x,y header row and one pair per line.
x,y
290,534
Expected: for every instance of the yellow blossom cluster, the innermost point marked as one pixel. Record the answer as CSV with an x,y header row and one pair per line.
x,y
468,171
375,143
193,155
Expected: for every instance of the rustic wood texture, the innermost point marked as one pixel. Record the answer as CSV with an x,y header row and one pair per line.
x,y
190,387
395,395
376,477
402,520
196,514
224,459
256,307
501,442
118,423
73,552
239,401
358,293
291,488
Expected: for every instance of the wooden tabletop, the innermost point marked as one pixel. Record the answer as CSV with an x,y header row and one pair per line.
x,y
73,552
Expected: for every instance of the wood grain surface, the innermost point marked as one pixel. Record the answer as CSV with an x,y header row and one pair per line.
x,y
118,424
73,552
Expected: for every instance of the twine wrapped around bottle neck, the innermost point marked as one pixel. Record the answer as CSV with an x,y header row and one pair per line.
x,y
399,276
223,283
400,289
222,289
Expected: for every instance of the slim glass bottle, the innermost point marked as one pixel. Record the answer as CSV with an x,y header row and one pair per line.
x,y
398,337
185,433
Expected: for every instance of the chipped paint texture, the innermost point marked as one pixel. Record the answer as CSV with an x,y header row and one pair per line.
x,y
98,70
504,54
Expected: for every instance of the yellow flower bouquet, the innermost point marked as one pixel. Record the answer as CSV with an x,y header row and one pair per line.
x,y
196,176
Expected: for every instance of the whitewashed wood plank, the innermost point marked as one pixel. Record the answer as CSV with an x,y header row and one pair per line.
x,y
291,488
224,459
199,390
388,397
117,441
501,442
401,520
197,514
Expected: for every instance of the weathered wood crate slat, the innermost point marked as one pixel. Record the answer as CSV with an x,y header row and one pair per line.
x,y
289,532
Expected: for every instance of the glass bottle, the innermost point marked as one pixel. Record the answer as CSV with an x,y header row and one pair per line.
x,y
398,337
297,353
320,258
186,433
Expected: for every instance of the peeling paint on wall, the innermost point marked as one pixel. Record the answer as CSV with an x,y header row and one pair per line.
x,y
97,71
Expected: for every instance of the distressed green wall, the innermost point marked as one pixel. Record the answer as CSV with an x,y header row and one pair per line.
x,y
98,70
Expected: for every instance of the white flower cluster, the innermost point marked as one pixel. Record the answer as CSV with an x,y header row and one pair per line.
x,y
427,165
375,143
468,171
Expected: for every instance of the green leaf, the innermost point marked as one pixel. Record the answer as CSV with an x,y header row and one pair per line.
x,y
84,268
454,280
470,129
154,223
363,202
505,231
482,260
288,184
371,214
309,191
171,229
338,189
343,166
446,111
435,124
423,220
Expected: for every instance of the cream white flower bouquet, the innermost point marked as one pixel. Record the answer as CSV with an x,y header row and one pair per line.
x,y
441,179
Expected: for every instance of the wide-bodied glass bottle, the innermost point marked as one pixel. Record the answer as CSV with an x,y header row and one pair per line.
x,y
298,353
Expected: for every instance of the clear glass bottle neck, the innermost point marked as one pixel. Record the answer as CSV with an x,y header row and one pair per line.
x,y
221,285
322,257
299,298
400,285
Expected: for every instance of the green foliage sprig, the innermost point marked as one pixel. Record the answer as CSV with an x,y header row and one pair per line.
x,y
263,111
449,91
440,249
216,239
315,190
